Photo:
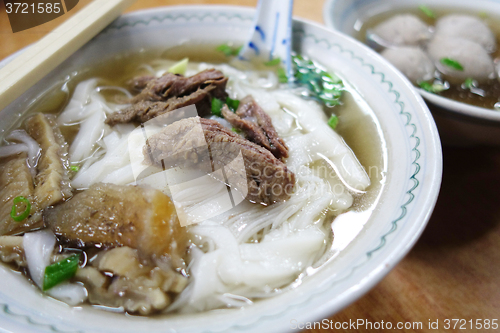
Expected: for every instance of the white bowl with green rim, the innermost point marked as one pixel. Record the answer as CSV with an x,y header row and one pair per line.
x,y
458,123
413,164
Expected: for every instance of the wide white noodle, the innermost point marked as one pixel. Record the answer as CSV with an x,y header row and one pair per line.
x,y
38,248
27,145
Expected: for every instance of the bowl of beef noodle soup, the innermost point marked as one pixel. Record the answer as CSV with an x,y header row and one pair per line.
x,y
155,181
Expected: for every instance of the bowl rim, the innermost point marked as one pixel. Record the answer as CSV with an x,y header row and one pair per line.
x,y
461,110
434,177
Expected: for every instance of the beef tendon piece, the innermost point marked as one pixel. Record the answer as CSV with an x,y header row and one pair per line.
x,y
52,183
111,216
170,92
268,179
15,181
257,126
136,286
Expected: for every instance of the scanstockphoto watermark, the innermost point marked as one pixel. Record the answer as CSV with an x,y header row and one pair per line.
x,y
358,324
336,184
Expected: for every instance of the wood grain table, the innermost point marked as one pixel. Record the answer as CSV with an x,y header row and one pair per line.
x,y
453,272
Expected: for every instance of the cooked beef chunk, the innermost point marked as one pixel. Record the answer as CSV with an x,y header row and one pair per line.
x,y
15,181
112,215
52,180
268,179
257,126
140,82
170,92
171,85
147,110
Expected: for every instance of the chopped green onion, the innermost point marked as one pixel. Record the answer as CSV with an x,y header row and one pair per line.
x,y
60,271
23,215
217,105
426,86
274,62
432,87
282,77
438,87
228,50
483,15
323,86
469,83
452,64
236,130
232,104
333,121
426,10
74,168
179,67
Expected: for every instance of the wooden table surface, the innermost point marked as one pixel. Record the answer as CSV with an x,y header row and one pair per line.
x,y
454,269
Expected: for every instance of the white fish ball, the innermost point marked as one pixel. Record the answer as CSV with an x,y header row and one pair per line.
x,y
412,62
466,27
403,29
476,62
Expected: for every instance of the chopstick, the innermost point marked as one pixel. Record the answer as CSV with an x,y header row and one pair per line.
x,y
42,57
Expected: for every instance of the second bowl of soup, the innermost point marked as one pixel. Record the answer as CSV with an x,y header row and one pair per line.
x,y
448,49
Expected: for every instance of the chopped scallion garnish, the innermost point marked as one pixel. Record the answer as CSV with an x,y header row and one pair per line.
x,y
282,77
469,83
179,67
322,85
427,11
217,105
236,130
232,104
432,87
18,217
426,86
274,62
228,50
60,271
333,121
74,168
452,64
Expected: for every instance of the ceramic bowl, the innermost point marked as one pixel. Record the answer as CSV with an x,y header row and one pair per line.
x,y
458,123
414,166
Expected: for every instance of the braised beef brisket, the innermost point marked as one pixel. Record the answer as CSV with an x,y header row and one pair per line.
x,y
257,126
146,110
268,178
170,92
140,82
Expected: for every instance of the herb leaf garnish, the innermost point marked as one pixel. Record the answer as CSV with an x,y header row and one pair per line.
x,y
452,63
